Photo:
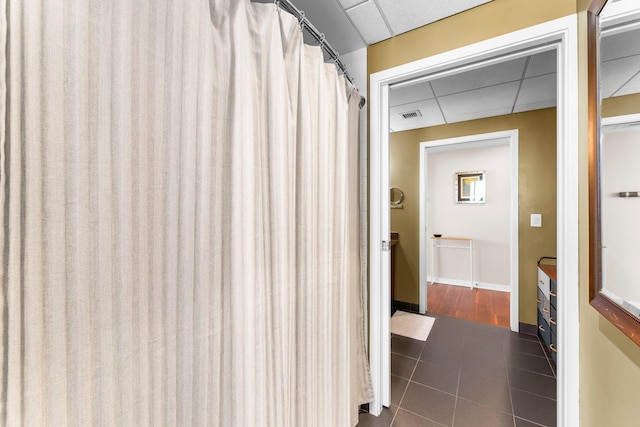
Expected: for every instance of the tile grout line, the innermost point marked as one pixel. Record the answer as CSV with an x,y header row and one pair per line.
x,y
407,387
433,388
513,410
526,391
535,394
532,372
455,405
466,340
506,366
553,371
529,421
421,416
408,381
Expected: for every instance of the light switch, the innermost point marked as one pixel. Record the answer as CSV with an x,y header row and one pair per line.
x,y
536,220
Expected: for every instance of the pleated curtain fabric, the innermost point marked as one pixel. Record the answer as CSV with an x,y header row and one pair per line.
x,y
180,218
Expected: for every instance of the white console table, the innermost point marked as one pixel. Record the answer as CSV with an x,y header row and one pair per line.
x,y
436,242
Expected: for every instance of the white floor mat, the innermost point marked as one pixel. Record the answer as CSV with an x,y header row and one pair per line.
x,y
411,325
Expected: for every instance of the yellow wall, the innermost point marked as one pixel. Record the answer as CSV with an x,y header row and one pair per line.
x,y
537,189
621,105
483,22
609,361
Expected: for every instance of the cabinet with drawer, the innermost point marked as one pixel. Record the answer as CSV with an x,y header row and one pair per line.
x,y
547,303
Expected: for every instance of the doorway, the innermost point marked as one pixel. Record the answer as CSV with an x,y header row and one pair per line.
x,y
509,140
560,35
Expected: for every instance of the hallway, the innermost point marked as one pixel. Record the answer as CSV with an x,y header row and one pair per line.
x,y
468,374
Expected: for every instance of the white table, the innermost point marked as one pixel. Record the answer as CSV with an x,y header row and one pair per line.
x,y
436,243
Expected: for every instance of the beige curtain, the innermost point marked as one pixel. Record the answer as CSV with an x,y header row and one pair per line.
x,y
180,218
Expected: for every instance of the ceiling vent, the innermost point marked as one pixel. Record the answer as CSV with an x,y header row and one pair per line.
x,y
411,114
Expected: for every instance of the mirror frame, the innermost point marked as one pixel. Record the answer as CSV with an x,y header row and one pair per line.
x,y
457,186
622,319
396,204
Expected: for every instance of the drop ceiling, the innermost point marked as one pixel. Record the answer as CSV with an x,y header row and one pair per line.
x,y
522,84
350,25
620,67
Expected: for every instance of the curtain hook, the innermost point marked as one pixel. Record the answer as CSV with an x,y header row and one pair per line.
x,y
336,62
322,39
277,4
301,18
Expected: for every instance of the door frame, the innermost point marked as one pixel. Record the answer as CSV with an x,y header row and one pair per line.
x,y
478,141
563,33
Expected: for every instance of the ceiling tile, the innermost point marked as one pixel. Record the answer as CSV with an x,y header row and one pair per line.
x,y
367,18
346,4
411,93
431,116
620,45
616,73
537,92
542,63
486,76
633,86
409,14
476,104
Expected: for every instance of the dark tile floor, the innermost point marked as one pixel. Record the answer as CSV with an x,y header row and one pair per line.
x,y
468,375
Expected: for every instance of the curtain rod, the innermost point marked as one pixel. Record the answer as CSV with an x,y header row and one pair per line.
x,y
320,37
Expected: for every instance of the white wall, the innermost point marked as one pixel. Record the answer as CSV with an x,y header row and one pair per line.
x,y
487,224
621,216
356,63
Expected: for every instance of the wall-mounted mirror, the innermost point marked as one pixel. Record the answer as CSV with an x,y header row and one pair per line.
x,y
614,155
397,196
469,187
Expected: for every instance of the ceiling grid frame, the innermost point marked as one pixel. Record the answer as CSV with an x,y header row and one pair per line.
x,y
621,71
384,18
524,73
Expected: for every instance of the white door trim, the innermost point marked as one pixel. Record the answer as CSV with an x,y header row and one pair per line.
x,y
379,261
482,140
564,33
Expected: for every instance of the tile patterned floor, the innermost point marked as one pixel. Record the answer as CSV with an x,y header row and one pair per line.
x,y
468,375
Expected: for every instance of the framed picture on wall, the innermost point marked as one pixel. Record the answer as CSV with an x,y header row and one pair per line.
x,y
469,187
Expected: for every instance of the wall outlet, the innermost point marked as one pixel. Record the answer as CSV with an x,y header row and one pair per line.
x,y
536,220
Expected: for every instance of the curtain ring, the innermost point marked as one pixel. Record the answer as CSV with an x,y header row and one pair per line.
x,y
336,59
322,39
301,18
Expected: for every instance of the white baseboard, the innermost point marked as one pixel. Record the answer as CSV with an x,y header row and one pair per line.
x,y
479,285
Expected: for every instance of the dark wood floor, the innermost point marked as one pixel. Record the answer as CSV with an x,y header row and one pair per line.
x,y
476,305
